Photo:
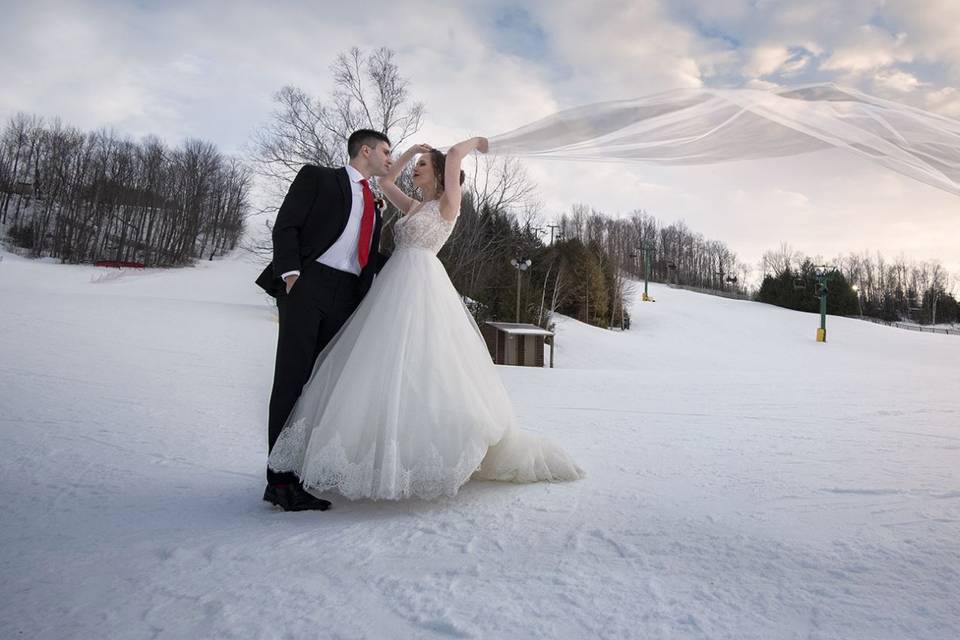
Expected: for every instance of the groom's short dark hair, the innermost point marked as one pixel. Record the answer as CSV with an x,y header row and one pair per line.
x,y
362,137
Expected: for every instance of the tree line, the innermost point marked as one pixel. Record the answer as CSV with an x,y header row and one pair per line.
x,y
863,284
585,270
90,196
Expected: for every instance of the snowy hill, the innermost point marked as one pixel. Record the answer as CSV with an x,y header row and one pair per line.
x,y
744,480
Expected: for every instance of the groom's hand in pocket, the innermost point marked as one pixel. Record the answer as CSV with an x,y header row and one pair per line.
x,y
290,281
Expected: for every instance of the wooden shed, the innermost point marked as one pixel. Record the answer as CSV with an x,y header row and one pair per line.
x,y
517,344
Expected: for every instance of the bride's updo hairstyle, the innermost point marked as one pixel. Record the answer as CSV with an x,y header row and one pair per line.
x,y
439,161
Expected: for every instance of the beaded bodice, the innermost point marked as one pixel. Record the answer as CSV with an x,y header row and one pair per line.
x,y
425,228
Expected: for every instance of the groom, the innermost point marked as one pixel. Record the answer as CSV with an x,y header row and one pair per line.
x,y
326,243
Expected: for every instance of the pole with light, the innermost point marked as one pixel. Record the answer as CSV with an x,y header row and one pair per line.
x,y
856,289
520,265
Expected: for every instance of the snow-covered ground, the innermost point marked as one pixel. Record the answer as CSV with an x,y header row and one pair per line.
x,y
744,480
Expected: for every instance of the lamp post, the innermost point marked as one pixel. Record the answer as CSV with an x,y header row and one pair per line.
x,y
520,265
859,306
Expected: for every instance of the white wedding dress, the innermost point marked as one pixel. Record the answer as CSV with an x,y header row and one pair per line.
x,y
405,400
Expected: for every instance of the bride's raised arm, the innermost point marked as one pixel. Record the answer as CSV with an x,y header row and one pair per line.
x,y
388,183
450,200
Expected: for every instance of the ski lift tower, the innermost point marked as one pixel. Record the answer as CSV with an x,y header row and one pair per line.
x,y
824,274
645,249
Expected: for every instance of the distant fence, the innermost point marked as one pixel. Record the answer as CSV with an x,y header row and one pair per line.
x,y
909,326
713,292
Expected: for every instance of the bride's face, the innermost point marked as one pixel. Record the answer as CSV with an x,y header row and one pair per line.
x,y
423,175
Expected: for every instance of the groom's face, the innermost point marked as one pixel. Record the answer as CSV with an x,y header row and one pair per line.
x,y
379,159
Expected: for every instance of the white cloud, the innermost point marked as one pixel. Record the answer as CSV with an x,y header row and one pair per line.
x,y
932,28
871,49
791,198
765,60
897,80
945,101
756,83
627,48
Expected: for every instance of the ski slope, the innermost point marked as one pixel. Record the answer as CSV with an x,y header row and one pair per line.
x,y
743,480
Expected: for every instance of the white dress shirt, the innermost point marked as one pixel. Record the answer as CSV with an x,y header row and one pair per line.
x,y
343,254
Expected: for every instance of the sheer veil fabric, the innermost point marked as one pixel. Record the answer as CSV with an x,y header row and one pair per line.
x,y
706,126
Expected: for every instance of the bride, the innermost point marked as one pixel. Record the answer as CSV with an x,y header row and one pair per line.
x,y
405,400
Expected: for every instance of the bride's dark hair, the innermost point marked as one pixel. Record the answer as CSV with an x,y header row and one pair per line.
x,y
439,161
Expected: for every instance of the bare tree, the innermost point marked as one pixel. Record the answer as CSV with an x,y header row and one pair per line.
x,y
778,261
99,196
501,184
369,92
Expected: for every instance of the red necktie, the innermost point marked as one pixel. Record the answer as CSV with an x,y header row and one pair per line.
x,y
366,225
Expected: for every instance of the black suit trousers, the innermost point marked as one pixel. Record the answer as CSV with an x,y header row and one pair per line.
x,y
312,313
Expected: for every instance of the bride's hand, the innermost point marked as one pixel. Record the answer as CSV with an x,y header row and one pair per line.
x,y
421,148
483,145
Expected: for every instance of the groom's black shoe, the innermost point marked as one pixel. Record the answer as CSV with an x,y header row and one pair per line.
x,y
292,497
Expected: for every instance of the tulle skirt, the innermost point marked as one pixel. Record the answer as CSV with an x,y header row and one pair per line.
x,y
406,402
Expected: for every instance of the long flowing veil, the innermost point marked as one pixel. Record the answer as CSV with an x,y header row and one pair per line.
x,y
704,126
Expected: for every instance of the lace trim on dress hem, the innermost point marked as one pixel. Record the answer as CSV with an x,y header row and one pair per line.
x,y
330,468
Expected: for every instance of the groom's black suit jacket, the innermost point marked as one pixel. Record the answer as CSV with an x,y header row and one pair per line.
x,y
313,215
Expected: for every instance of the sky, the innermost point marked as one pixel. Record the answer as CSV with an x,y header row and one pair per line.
x,y
208,70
